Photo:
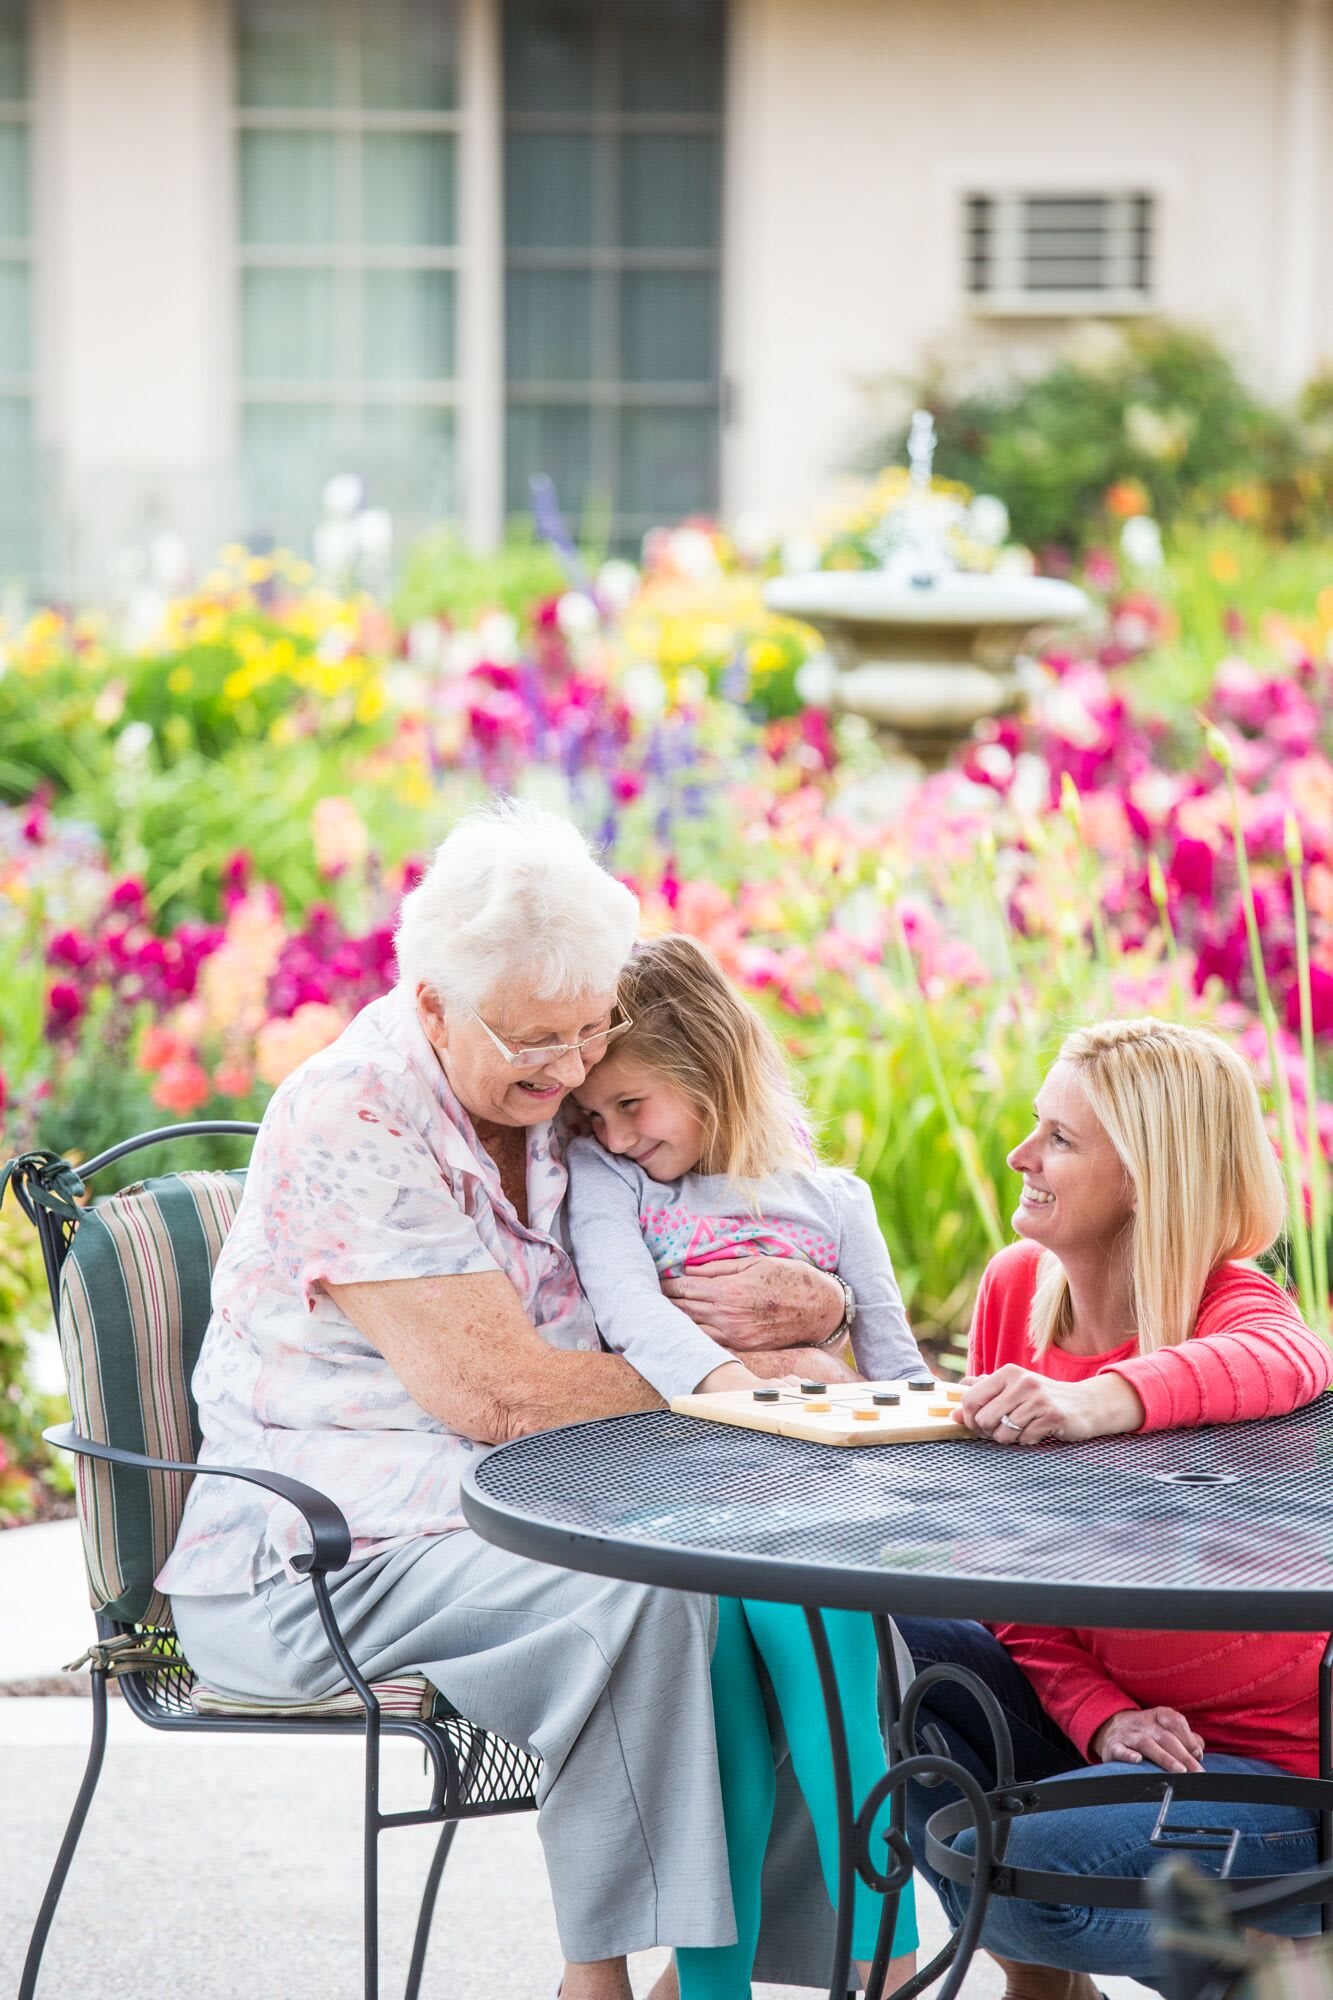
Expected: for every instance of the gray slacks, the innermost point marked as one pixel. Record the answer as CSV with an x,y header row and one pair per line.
x,y
606,1682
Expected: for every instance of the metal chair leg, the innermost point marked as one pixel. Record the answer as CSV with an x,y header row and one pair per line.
x,y
92,1771
371,1861
428,1895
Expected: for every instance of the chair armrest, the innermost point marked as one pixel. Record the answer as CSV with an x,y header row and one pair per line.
x,y
327,1524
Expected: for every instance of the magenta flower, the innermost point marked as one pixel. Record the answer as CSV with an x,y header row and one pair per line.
x,y
64,1008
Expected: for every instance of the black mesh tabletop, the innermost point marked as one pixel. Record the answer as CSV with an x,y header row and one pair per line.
x,y
1224,1529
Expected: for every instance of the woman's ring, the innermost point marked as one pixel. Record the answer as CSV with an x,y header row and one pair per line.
x,y
1012,1425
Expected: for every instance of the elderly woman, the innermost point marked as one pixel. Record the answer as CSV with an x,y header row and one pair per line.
x,y
1129,1305
396,1290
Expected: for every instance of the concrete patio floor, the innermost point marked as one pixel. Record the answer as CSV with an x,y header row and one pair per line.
x,y
229,1869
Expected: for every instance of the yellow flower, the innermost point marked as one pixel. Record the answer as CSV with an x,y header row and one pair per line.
x,y
1223,566
370,703
180,680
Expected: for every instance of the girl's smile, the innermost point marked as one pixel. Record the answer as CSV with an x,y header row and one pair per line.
x,y
635,1112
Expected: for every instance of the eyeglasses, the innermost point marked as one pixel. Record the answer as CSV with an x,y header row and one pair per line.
x,y
538,1058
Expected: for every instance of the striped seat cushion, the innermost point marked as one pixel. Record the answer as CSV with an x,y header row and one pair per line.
x,y
134,1304
410,1694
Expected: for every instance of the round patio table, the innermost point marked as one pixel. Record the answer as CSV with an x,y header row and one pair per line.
x,y
1229,1528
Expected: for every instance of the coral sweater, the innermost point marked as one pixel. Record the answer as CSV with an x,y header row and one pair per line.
x,y
1250,1355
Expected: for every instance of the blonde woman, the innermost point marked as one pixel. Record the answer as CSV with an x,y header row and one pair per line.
x,y
1129,1304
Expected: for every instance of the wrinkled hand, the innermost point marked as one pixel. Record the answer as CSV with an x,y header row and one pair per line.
x,y
751,1302
1161,1735
735,1375
1017,1406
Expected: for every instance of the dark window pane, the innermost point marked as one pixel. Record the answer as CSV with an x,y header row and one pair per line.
x,y
672,58
551,51
549,325
671,192
557,442
668,326
549,190
409,55
285,55
668,463
408,329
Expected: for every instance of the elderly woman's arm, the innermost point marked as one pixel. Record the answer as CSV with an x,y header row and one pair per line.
x,y
467,1353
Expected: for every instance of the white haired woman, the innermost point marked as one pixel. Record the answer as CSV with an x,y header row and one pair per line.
x,y
1129,1304
396,1289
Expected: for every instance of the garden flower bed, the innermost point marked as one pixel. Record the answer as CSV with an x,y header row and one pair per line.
x,y
209,832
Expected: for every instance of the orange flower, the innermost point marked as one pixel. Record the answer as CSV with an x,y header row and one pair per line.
x,y
158,1047
182,1086
1126,498
233,1078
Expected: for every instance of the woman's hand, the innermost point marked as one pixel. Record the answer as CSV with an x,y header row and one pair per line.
x,y
1162,1735
750,1302
1017,1406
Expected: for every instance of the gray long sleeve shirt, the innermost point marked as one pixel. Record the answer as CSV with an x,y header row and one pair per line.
x,y
628,1232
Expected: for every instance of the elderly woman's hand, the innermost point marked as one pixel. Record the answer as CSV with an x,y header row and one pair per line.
x,y
1162,1735
757,1302
1017,1406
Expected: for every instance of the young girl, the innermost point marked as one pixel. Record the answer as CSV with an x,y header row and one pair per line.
x,y
698,1152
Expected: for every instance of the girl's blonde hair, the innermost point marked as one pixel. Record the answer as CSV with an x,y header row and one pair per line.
x,y
1182,1111
692,1028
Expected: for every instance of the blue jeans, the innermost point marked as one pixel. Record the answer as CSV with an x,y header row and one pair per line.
x,y
1275,1840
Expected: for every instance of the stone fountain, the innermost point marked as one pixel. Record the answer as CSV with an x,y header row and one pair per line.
x,y
922,649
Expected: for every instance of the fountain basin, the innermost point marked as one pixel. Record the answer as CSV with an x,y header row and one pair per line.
x,y
924,662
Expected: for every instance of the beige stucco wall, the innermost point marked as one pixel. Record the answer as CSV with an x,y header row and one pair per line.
x,y
134,307
857,125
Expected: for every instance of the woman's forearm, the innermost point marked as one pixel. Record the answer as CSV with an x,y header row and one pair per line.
x,y
567,1389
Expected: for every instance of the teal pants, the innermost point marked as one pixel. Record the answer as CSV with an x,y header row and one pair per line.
x,y
749,1631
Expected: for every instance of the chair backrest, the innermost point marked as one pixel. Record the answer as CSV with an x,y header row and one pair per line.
x,y
134,1304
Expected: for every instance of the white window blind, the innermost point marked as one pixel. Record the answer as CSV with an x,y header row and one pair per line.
x,y
347,136
1060,252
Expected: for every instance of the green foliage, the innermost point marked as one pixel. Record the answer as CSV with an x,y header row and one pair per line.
x,y
1159,413
444,579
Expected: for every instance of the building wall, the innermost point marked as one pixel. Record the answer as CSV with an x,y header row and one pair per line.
x,y
854,128
134,232
857,126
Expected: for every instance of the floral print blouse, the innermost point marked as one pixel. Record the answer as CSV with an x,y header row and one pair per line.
x,y
366,1167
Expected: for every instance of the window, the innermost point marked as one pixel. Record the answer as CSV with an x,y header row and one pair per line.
x,y
18,468
612,161
1060,253
347,171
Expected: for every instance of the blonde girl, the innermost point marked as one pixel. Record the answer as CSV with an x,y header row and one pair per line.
x,y
699,1152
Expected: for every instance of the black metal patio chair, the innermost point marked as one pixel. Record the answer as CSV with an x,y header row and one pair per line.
x,y
130,1279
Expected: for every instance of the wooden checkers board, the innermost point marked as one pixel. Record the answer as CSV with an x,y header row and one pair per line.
x,y
837,1413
